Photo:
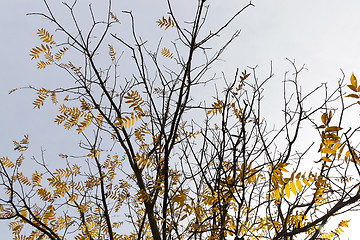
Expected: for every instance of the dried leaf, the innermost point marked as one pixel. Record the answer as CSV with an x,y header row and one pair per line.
x,y
333,129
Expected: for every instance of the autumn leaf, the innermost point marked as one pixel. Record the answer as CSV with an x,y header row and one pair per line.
x,y
306,182
352,95
353,80
326,159
324,118
287,190
293,188
277,193
328,150
299,185
332,129
352,88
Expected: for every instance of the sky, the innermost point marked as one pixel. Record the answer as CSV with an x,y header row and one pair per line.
x,y
323,34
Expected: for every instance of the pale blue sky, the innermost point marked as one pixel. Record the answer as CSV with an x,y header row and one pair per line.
x,y
323,34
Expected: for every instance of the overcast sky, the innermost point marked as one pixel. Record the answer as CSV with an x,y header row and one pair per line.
x,y
322,34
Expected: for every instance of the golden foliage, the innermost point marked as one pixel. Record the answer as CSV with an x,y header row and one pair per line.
x,y
44,195
6,162
216,108
19,160
42,95
202,210
13,90
330,143
354,87
94,153
45,36
84,124
143,161
59,173
243,77
36,51
54,98
42,64
126,121
112,53
46,49
143,196
140,132
166,53
166,23
24,180
36,179
285,186
60,53
136,102
114,17
85,106
49,57
74,69
99,120
71,117
23,145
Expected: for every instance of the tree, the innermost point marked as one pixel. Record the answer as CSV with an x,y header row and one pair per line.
x,y
167,165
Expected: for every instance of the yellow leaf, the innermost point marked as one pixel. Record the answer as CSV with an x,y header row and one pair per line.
x,y
180,199
328,150
165,22
352,88
277,193
324,118
166,53
293,188
298,184
306,182
341,150
326,159
292,176
45,36
254,178
329,141
82,208
183,217
353,80
336,146
344,223
286,180
348,154
112,53
287,190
